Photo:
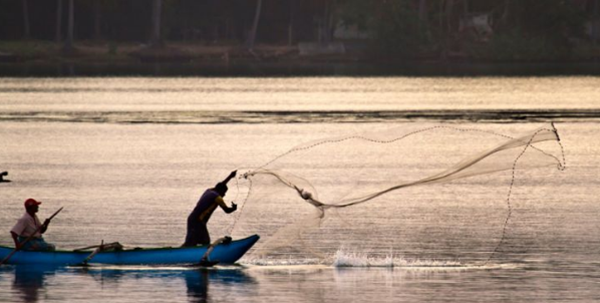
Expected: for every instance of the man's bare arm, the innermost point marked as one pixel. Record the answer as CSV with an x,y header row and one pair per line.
x,y
224,206
15,238
231,175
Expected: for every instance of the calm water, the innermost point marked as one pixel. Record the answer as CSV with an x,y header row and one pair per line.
x,y
128,158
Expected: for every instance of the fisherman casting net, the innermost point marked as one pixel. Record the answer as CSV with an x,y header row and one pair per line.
x,y
433,191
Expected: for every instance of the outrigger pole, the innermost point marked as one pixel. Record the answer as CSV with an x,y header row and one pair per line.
x,y
100,248
205,261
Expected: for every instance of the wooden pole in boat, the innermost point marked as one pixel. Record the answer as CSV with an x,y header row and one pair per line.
x,y
90,256
28,238
204,261
100,248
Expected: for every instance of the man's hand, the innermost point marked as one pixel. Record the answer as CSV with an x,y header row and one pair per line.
x,y
227,209
44,227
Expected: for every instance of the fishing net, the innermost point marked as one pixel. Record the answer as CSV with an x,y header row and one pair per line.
x,y
436,191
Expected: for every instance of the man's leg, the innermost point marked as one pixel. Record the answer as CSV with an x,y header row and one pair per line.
x,y
191,238
25,246
43,245
37,244
203,236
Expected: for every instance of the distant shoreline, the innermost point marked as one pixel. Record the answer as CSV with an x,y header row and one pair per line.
x,y
299,69
45,59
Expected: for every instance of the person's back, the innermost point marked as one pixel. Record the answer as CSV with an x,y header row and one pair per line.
x,y
205,206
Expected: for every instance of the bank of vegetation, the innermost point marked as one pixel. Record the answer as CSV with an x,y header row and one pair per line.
x,y
372,31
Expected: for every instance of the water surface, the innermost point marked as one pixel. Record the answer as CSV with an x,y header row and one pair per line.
x,y
128,158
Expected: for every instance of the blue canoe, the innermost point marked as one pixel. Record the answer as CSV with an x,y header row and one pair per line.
x,y
224,253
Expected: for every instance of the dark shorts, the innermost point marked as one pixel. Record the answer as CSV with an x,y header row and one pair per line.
x,y
197,234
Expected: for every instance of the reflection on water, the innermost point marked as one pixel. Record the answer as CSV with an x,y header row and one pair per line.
x,y
29,281
35,283
198,281
527,282
197,285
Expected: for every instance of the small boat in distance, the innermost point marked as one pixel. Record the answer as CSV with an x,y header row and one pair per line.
x,y
224,253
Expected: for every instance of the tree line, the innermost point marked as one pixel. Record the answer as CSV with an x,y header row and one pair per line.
x,y
501,29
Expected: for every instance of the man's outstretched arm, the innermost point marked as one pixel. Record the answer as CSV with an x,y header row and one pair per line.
x,y
231,175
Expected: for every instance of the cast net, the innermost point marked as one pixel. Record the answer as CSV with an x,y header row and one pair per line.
x,y
439,192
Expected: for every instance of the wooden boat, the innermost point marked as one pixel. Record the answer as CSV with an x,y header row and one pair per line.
x,y
224,253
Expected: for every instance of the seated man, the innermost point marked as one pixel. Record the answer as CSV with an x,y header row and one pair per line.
x,y
29,225
197,233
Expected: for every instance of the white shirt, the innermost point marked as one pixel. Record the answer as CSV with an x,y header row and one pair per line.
x,y
27,225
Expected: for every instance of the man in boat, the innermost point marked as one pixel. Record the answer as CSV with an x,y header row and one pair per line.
x,y
29,226
197,233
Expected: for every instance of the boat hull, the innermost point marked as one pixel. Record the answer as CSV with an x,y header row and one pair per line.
x,y
224,253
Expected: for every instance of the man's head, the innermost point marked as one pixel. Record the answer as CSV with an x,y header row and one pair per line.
x,y
32,205
221,188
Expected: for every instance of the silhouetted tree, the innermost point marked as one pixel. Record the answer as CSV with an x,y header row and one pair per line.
x,y
26,30
595,21
68,48
96,6
59,8
155,39
291,24
423,10
329,20
252,34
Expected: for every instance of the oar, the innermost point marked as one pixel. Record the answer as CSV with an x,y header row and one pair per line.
x,y
29,238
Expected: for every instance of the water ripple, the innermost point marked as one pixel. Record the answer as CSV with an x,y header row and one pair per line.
x,y
276,117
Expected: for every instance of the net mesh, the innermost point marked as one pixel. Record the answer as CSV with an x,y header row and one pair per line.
x,y
440,191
